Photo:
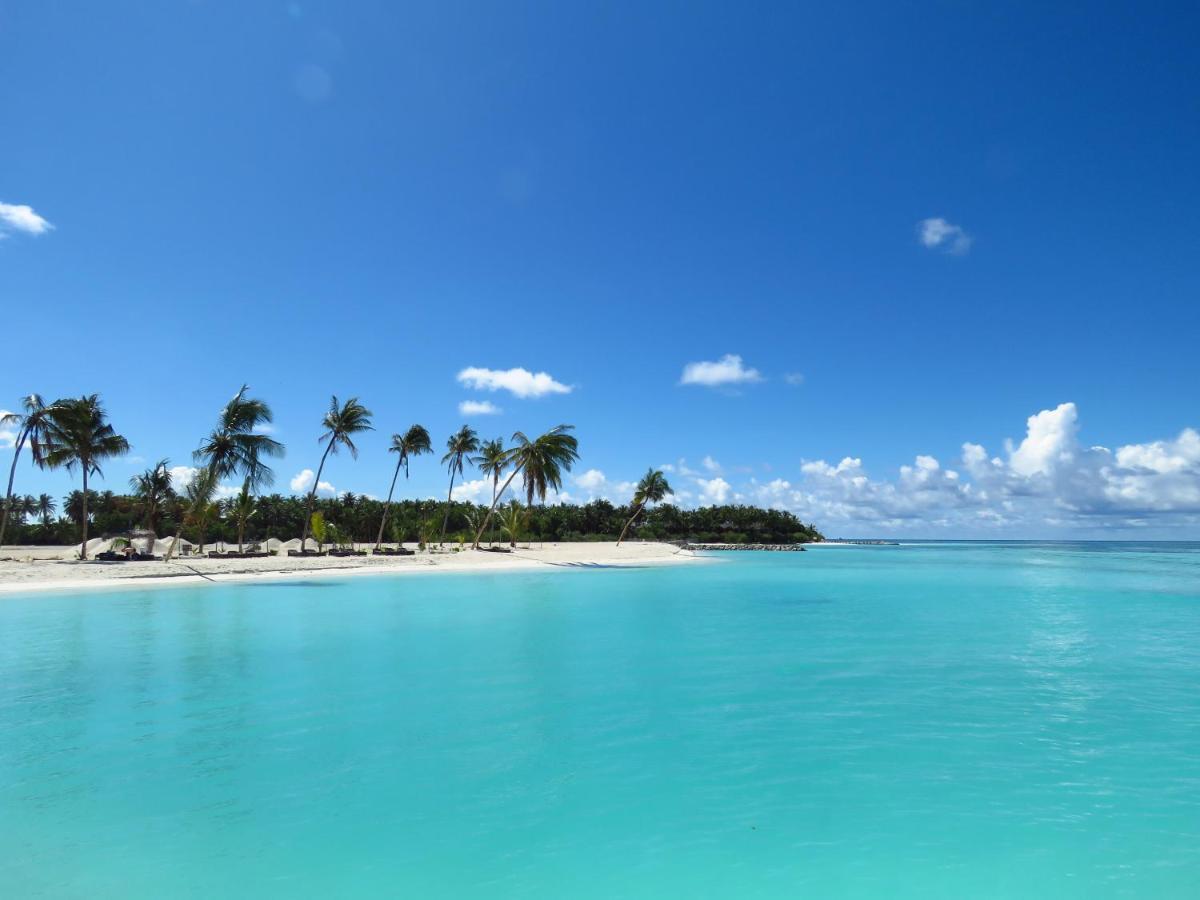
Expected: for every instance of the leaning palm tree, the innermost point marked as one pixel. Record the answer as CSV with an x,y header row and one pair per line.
x,y
492,461
651,489
541,463
413,442
153,490
79,436
341,423
459,446
31,428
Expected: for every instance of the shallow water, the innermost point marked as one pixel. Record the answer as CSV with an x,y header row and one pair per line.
x,y
951,720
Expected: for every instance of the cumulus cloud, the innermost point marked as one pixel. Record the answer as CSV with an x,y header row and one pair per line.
x,y
181,477
15,217
1048,482
938,234
519,382
713,491
728,370
479,408
302,483
476,491
595,485
710,464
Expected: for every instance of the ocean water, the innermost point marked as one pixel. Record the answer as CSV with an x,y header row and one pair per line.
x,y
944,720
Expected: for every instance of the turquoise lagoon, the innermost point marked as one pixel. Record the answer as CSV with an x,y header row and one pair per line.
x,y
941,720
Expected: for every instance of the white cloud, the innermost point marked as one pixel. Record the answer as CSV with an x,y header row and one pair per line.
x,y
181,477
1049,441
476,491
795,379
595,485
302,482
592,480
478,408
519,382
16,217
1047,484
713,491
727,370
710,464
8,433
938,234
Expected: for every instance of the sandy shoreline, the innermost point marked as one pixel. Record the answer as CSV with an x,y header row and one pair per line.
x,y
36,568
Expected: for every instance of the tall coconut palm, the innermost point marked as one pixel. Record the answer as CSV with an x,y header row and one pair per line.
x,y
459,447
153,490
651,489
341,423
46,508
413,442
237,447
492,461
31,428
79,436
541,463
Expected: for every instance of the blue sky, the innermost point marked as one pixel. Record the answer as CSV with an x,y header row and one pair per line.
x,y
939,219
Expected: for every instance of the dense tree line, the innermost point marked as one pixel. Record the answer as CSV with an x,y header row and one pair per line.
x,y
75,434
357,518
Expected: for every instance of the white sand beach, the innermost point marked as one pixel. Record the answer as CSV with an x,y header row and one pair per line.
x,y
25,569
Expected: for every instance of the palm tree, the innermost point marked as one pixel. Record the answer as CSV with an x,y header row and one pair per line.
x,y
542,462
199,494
45,508
79,436
31,426
341,423
651,489
492,460
235,446
459,446
25,508
242,508
153,488
513,521
413,442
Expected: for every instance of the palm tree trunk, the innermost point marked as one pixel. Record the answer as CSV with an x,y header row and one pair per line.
x,y
312,495
636,513
83,546
12,471
241,531
446,517
495,500
387,507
